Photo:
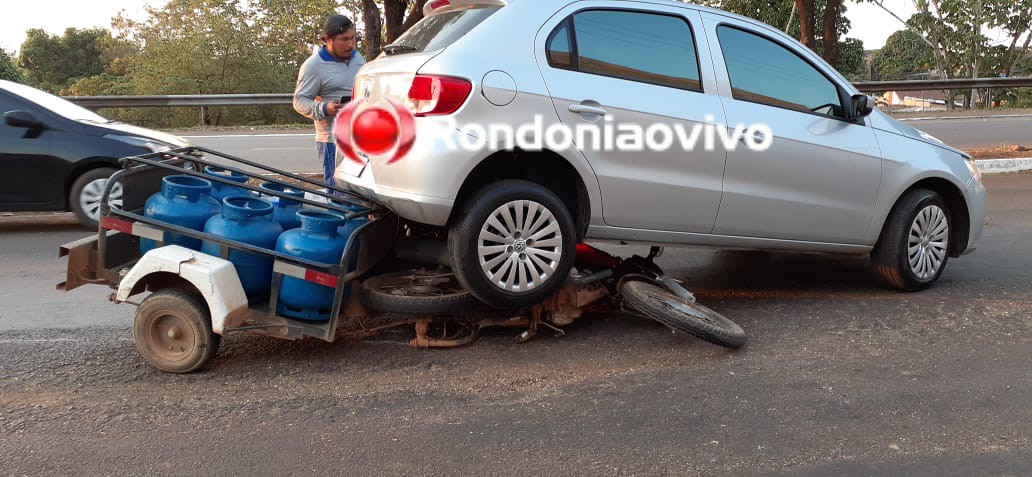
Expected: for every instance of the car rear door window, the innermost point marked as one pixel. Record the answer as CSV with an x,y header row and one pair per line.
x,y
763,71
637,46
559,52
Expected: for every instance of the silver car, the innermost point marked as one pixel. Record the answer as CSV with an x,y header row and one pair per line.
x,y
836,175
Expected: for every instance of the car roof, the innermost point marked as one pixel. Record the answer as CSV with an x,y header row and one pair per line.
x,y
703,8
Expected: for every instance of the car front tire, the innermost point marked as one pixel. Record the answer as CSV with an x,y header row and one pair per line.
x,y
512,244
914,246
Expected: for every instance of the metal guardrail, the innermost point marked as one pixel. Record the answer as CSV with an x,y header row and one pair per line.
x,y
182,100
922,85
212,100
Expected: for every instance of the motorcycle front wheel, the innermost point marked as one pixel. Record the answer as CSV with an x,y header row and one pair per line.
x,y
661,305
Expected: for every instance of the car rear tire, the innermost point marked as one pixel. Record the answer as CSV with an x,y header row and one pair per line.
x,y
914,245
86,192
512,244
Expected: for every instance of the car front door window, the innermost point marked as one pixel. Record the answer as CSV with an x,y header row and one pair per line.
x,y
763,71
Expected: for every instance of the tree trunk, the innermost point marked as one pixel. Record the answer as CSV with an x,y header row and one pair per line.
x,y
394,14
807,22
1013,57
974,91
831,50
373,27
414,15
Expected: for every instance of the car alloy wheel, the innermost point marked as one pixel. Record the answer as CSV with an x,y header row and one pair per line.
x,y
93,192
928,242
520,246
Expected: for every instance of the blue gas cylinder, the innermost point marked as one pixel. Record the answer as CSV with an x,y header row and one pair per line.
x,y
219,190
317,240
346,206
183,201
285,210
346,230
349,227
246,219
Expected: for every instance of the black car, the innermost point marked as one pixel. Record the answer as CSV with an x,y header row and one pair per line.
x,y
55,155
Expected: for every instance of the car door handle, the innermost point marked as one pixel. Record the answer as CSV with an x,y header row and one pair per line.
x,y
587,109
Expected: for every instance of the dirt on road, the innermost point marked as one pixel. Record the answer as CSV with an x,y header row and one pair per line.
x,y
841,377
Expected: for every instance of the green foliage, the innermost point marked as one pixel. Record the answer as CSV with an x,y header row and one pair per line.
x,y
851,62
292,27
215,47
777,13
905,53
54,62
8,70
955,29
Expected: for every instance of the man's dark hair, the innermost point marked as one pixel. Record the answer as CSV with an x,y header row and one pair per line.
x,y
337,24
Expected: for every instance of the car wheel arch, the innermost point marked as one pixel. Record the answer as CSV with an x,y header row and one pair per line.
x,y
958,208
544,167
81,167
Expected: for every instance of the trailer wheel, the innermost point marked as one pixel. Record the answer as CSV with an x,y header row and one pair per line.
x,y
172,331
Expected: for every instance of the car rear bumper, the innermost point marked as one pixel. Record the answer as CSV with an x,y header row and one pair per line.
x,y
415,207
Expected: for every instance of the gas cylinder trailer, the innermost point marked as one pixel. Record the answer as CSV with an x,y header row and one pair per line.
x,y
193,298
196,279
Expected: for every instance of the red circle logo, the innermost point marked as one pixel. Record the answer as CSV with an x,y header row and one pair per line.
x,y
383,129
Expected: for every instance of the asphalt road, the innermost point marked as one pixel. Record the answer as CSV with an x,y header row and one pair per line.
x,y
841,377
296,151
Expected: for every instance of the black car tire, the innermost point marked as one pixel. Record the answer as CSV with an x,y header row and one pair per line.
x,y
892,256
539,260
87,218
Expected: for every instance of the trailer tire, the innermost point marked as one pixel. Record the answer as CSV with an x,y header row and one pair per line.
x,y
172,331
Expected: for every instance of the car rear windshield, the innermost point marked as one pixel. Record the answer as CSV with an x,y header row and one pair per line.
x,y
438,31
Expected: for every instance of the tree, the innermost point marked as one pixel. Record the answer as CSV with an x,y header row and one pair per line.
x,y
373,22
783,14
905,53
294,27
54,62
207,47
1017,21
8,70
383,28
851,61
954,29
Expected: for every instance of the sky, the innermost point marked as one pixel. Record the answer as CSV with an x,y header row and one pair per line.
x,y
869,23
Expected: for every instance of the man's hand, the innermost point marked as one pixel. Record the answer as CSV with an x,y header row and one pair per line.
x,y
332,108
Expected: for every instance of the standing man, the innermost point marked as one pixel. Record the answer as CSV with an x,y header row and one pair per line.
x,y
324,84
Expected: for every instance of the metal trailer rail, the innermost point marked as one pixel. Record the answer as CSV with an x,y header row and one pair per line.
x,y
106,258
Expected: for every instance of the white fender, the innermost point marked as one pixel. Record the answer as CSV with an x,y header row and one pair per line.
x,y
214,277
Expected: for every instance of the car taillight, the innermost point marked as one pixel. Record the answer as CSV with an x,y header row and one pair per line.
x,y
434,5
436,95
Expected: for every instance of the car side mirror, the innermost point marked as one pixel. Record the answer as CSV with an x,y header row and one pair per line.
x,y
24,119
861,105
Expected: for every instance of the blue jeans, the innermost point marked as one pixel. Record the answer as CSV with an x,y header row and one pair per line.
x,y
328,155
